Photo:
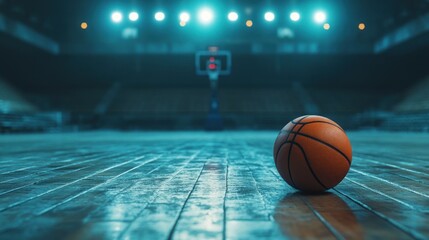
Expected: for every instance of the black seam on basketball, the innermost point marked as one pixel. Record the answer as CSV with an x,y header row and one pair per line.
x,y
309,166
286,141
278,150
325,143
308,163
306,123
290,150
281,145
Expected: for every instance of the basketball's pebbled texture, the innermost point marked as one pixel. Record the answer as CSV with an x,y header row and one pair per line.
x,y
312,153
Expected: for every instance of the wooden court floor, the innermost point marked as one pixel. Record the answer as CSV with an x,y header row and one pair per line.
x,y
196,185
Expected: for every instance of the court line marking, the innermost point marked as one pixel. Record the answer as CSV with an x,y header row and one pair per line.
x,y
97,186
16,170
88,217
393,166
381,193
33,159
156,194
176,221
395,223
29,218
32,183
13,163
396,157
57,175
67,184
224,197
56,168
391,183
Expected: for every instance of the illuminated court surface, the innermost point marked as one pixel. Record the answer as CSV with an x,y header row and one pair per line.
x,y
196,185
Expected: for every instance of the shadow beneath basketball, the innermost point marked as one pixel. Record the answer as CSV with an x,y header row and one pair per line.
x,y
322,216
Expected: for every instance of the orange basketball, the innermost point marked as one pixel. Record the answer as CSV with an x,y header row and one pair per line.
x,y
312,153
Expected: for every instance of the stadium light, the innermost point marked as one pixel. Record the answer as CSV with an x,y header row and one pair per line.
x,y
159,16
84,25
326,26
232,16
319,17
205,15
184,17
269,16
133,16
116,17
295,16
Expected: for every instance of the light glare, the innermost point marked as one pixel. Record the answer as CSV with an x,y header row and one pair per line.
x,y
319,17
269,16
133,16
184,17
326,26
295,16
116,17
159,16
232,16
84,25
205,15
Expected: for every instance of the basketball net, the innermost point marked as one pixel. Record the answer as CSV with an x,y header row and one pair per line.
x,y
213,75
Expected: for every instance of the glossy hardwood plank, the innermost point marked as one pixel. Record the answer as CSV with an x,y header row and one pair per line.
x,y
197,185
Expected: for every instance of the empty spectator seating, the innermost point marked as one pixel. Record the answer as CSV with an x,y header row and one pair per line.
x,y
412,113
416,99
344,101
24,122
76,100
161,101
11,101
197,100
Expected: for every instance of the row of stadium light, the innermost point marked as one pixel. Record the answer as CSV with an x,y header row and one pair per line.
x,y
206,16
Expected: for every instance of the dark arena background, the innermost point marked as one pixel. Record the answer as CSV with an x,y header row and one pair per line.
x,y
127,119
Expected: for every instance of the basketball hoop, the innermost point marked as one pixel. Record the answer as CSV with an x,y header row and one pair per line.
x,y
213,64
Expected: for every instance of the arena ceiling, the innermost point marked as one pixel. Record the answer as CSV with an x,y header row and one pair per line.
x,y
61,21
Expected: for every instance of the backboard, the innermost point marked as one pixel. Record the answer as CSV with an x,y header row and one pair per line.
x,y
213,63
